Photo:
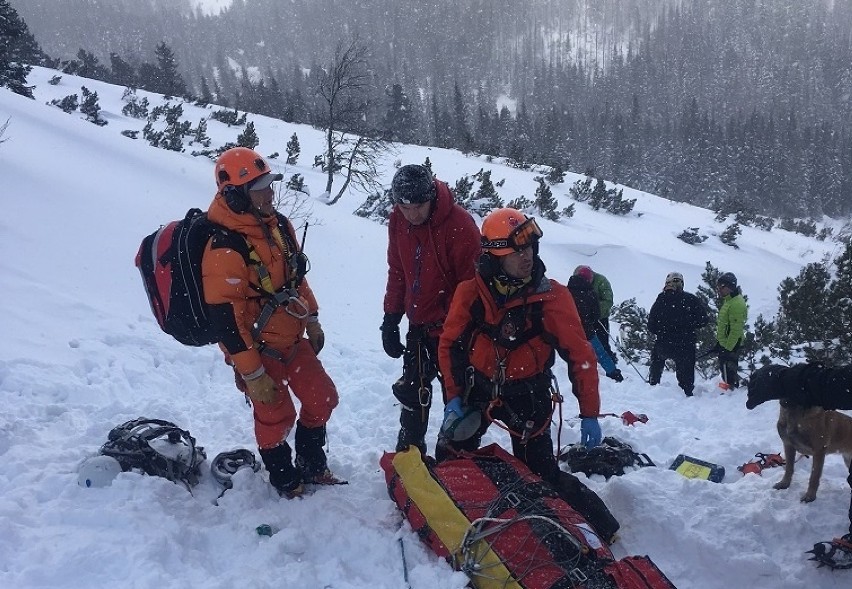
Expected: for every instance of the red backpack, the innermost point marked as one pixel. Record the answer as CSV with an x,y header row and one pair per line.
x,y
170,262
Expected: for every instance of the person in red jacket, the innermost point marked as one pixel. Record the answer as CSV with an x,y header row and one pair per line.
x,y
499,342
243,272
433,244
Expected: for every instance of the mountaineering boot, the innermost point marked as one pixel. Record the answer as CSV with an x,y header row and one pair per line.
x,y
282,474
730,376
587,504
310,456
412,429
443,448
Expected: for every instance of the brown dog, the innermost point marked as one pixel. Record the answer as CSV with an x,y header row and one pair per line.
x,y
815,432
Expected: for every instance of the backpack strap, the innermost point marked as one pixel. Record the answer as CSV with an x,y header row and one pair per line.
x,y
297,260
227,238
532,311
461,370
494,332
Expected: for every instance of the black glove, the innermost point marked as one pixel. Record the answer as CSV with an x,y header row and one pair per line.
x,y
616,375
391,341
716,349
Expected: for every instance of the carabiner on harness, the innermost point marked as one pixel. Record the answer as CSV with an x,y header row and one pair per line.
x,y
498,380
286,297
424,393
469,373
295,306
528,429
292,303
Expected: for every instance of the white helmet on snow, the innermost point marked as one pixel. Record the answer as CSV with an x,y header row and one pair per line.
x,y
98,471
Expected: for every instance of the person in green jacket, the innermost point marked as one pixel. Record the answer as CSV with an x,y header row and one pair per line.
x,y
603,289
730,328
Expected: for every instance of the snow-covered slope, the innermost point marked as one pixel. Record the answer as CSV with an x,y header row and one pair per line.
x,y
81,353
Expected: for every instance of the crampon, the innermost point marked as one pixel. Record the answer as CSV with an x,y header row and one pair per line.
x,y
763,461
325,477
836,554
310,484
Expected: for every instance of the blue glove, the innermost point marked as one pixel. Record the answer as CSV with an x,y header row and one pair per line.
x,y
454,406
590,432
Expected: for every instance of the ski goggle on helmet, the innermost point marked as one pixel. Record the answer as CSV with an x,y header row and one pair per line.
x,y
505,231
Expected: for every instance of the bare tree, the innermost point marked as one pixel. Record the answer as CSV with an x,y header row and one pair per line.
x,y
342,89
295,203
358,157
3,128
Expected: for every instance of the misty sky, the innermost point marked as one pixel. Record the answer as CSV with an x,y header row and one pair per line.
x,y
211,6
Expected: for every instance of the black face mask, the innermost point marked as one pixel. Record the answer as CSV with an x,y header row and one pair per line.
x,y
237,199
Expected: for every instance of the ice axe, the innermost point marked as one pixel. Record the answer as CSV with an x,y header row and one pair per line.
x,y
626,358
628,417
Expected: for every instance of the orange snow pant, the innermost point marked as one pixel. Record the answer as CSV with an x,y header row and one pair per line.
x,y
303,374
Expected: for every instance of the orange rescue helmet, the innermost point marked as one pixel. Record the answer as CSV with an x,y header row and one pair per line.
x,y
508,230
238,166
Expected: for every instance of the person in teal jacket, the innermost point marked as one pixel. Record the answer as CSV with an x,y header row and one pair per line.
x,y
730,328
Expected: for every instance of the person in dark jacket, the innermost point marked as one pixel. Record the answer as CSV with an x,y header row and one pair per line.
x,y
433,244
675,317
807,385
603,290
589,310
